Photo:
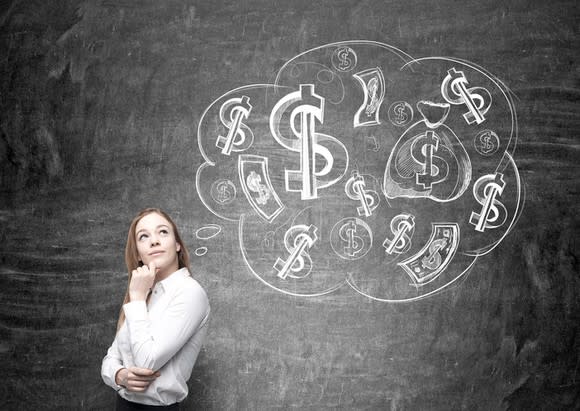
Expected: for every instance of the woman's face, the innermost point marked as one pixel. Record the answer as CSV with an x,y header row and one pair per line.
x,y
156,243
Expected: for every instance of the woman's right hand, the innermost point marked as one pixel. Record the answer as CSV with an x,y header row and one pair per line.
x,y
136,379
142,280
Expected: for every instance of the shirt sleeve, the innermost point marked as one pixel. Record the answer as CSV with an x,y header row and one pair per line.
x,y
153,344
111,364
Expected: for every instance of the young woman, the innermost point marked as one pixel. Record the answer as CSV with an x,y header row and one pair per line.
x,y
162,322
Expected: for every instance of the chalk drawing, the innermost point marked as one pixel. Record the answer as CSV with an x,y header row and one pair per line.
x,y
357,140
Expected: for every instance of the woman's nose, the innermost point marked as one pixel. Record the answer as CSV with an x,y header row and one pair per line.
x,y
154,240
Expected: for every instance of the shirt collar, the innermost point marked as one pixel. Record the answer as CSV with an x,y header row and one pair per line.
x,y
174,279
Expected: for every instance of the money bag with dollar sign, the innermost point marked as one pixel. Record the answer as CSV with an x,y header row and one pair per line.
x,y
428,160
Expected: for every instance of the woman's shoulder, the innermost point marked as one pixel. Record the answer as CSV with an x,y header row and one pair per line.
x,y
191,285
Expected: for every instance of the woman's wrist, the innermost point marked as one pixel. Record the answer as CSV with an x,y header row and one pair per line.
x,y
119,378
137,296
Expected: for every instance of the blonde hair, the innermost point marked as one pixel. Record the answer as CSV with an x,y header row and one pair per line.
x,y
132,260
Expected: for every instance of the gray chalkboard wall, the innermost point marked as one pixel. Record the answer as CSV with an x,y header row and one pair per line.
x,y
107,107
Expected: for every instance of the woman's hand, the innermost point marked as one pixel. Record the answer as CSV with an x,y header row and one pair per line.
x,y
135,379
142,280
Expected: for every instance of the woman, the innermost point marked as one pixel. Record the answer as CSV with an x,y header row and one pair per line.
x,y
162,322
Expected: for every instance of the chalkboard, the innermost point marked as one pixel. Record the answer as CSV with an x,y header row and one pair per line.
x,y
380,199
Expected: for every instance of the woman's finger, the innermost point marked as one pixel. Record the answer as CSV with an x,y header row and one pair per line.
x,y
141,371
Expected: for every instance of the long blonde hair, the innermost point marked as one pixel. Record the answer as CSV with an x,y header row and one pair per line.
x,y
132,260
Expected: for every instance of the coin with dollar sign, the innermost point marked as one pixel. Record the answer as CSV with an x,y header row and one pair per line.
x,y
351,238
223,191
486,142
400,113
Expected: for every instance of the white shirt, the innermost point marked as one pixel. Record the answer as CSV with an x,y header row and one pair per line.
x,y
164,335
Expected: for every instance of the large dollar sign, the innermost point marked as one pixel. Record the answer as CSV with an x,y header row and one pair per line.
x,y
355,189
310,144
493,213
254,183
435,168
298,240
354,244
433,260
232,114
403,227
477,99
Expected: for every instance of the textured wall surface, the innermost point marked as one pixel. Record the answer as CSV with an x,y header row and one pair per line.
x,y
99,107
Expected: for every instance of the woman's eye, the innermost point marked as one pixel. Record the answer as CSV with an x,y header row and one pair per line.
x,y
142,237
164,232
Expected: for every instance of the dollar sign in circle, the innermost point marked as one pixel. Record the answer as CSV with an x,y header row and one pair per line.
x,y
232,114
400,113
433,260
353,244
223,191
435,168
344,59
402,227
486,142
316,158
254,183
298,241
493,213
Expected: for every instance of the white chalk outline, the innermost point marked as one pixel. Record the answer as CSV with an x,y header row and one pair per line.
x,y
263,162
245,257
375,73
437,272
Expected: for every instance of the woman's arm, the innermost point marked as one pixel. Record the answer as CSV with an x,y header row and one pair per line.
x,y
153,344
111,365
115,374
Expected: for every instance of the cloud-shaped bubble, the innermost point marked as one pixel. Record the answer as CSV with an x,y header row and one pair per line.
x,y
362,166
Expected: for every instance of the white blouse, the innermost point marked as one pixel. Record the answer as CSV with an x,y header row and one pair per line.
x,y
164,335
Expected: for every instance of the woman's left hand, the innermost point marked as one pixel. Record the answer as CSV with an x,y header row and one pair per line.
x,y
142,280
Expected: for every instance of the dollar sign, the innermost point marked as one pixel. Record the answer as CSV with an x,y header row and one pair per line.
x,y
433,260
253,181
400,113
354,243
310,144
345,61
298,240
232,114
488,140
355,189
402,226
493,213
486,143
477,99
435,168
223,192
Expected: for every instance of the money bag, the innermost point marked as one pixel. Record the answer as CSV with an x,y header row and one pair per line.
x,y
428,161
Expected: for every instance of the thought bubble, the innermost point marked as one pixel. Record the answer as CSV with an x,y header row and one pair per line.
x,y
363,167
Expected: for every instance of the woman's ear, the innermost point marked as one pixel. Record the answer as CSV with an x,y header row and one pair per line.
x,y
177,247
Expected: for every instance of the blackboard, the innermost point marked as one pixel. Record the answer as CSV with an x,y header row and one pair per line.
x,y
434,265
